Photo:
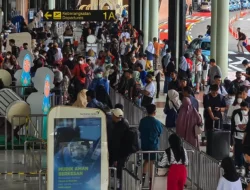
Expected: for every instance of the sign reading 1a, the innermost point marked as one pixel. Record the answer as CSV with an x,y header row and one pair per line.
x,y
109,16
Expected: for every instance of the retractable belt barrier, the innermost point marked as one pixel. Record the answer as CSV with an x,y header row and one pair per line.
x,y
204,172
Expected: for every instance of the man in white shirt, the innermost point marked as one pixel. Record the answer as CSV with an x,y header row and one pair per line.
x,y
149,89
241,120
222,90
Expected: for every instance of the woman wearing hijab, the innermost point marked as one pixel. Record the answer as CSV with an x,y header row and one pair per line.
x,y
176,158
187,119
230,180
150,51
171,109
81,101
138,87
184,70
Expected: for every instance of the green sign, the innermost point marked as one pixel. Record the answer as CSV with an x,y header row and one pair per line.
x,y
79,15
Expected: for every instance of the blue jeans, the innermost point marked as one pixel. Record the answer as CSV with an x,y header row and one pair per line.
x,y
166,82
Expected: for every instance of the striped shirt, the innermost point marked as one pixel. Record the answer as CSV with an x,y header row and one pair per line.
x,y
165,162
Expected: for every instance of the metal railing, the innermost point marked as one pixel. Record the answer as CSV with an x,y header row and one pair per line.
x,y
132,112
204,172
130,181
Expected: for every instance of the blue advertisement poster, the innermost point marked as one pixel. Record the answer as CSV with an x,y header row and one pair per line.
x,y
77,154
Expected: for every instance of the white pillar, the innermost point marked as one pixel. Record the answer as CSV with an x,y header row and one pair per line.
x,y
132,9
52,4
222,36
145,23
154,19
214,29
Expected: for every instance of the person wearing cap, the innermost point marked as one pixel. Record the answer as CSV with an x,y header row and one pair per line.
x,y
246,64
99,80
116,152
150,130
217,81
213,71
148,92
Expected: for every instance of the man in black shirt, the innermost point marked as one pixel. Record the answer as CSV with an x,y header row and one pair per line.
x,y
237,82
214,104
246,64
167,72
130,87
174,84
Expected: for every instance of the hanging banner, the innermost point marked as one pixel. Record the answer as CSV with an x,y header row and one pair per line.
x,y
77,149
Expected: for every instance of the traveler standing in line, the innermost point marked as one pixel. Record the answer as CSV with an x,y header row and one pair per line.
x,y
175,157
240,124
213,71
116,153
148,92
150,130
187,119
230,180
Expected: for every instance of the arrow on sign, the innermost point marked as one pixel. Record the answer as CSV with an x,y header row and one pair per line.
x,y
47,15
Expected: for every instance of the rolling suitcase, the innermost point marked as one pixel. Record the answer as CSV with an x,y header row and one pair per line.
x,y
218,143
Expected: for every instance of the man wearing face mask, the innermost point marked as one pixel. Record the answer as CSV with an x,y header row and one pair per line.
x,y
99,81
70,63
240,117
217,81
79,72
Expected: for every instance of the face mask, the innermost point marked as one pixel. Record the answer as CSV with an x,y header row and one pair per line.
x,y
80,62
36,53
8,56
71,58
239,100
99,75
244,112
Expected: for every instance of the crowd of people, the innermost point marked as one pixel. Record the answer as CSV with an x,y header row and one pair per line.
x,y
84,80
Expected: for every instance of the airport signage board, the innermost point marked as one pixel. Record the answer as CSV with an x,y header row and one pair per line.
x,y
79,15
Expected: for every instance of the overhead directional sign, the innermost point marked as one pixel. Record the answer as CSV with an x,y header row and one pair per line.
x,y
79,15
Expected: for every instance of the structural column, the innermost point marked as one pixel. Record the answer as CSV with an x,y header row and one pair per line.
x,y
145,23
52,4
154,19
132,12
214,27
222,36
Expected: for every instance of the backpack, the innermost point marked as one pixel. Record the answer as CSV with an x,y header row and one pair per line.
x,y
205,61
233,126
131,141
